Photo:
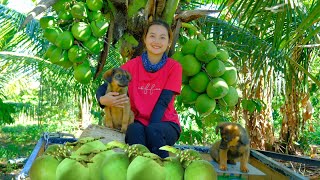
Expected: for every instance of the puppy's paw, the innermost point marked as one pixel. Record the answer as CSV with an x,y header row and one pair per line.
x,y
244,169
223,167
123,130
110,126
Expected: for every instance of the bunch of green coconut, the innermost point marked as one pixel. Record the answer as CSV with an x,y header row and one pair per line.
x,y
90,159
209,76
75,32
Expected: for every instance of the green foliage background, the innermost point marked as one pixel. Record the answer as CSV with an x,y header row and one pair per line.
x,y
25,112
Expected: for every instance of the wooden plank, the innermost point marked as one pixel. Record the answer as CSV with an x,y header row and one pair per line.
x,y
234,169
38,148
277,166
287,157
271,174
108,134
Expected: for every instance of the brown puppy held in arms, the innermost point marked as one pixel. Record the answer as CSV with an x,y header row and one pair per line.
x,y
117,117
233,146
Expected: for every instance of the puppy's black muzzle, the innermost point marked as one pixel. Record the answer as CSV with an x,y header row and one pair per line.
x,y
123,80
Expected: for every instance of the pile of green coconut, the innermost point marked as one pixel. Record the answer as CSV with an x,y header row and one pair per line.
x,y
90,159
209,77
75,32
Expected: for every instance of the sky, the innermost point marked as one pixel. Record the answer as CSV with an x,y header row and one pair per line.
x,y
22,6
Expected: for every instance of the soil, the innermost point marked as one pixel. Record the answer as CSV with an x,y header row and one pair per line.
x,y
313,172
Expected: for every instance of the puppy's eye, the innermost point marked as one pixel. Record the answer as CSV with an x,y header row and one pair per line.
x,y
117,76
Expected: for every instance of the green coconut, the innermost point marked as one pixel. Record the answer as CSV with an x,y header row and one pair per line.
x,y
173,168
231,99
217,88
205,105
230,75
215,68
93,45
94,5
206,51
44,168
99,27
60,57
51,33
65,15
115,166
95,168
178,56
82,73
64,40
185,79
188,95
144,168
200,169
61,5
77,54
79,10
223,55
94,15
89,147
55,55
199,82
81,31
190,65
47,21
136,150
72,170
190,46
52,148
49,51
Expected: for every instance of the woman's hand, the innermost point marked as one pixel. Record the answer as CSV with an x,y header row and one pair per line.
x,y
113,99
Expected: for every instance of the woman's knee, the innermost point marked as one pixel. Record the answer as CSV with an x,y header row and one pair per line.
x,y
154,133
135,134
163,133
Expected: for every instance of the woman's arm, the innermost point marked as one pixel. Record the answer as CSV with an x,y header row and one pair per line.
x,y
161,105
111,98
101,91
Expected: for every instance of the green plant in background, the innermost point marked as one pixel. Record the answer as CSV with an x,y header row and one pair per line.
x,y
58,97
311,133
6,111
253,104
19,140
197,130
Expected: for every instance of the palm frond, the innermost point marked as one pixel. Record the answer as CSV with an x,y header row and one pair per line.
x,y
28,40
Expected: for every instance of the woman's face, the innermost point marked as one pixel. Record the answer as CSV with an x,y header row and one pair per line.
x,y
157,40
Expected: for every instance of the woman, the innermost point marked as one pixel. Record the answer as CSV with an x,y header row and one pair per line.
x,y
156,80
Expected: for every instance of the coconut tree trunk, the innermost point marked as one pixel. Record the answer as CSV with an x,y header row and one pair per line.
x,y
85,110
258,122
290,110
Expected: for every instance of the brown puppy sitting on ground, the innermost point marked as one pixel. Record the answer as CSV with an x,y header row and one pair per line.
x,y
233,146
117,117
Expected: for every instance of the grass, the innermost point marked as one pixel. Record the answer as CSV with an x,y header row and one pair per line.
x,y
18,141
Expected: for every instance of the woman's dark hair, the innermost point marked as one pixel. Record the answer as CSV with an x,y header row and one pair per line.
x,y
161,23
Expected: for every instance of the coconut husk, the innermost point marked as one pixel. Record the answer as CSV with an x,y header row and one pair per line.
x,y
108,134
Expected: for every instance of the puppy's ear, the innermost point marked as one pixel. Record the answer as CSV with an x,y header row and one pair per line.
x,y
244,139
107,74
220,127
128,75
217,129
